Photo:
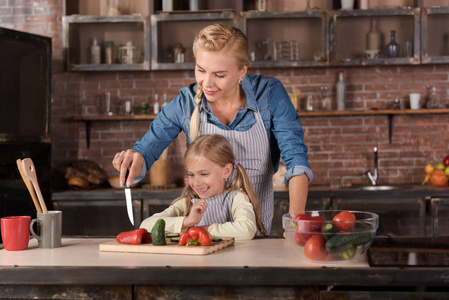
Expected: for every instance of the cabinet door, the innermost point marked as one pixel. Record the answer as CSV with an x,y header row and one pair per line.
x,y
435,35
349,31
170,30
287,38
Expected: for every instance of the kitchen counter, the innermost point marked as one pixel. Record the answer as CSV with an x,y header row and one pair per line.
x,y
254,264
415,201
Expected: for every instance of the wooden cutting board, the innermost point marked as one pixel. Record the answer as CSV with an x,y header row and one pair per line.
x,y
170,248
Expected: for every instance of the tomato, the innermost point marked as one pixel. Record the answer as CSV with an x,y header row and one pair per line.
x,y
344,221
306,225
315,247
301,238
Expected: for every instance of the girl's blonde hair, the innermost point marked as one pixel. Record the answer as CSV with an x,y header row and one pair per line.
x,y
227,40
217,149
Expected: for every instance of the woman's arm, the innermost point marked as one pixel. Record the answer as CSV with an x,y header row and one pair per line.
x,y
298,189
244,226
173,217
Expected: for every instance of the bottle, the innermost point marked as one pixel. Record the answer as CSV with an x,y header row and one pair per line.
x,y
341,90
165,100
95,53
393,47
432,101
373,41
309,106
156,105
109,52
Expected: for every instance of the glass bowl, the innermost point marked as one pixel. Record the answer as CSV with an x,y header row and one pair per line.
x,y
330,235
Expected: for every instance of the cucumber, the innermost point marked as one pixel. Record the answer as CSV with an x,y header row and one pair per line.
x,y
342,242
361,238
328,230
174,239
339,243
172,235
158,233
216,239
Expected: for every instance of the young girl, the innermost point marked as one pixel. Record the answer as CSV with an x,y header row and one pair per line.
x,y
216,197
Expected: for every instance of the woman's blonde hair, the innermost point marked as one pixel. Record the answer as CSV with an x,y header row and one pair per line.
x,y
227,40
217,149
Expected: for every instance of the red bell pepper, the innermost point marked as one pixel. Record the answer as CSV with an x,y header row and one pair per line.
x,y
133,237
195,236
306,225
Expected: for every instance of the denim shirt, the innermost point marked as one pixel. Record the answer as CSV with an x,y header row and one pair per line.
x,y
266,94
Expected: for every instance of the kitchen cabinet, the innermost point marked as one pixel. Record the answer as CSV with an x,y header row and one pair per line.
x,y
281,39
435,37
349,29
85,21
315,37
171,30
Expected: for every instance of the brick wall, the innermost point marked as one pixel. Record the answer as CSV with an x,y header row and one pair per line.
x,y
340,148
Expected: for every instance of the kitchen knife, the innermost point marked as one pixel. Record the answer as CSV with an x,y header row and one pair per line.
x,y
129,201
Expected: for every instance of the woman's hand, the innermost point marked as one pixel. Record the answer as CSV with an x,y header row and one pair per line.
x,y
128,160
196,213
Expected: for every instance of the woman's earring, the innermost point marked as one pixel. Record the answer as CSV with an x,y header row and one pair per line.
x,y
225,179
240,81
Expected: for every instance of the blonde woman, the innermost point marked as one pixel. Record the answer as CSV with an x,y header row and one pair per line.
x,y
253,112
218,195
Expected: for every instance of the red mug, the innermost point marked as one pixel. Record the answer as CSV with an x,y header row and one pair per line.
x,y
15,232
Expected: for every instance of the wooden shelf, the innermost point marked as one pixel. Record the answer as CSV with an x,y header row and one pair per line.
x,y
372,112
305,114
113,118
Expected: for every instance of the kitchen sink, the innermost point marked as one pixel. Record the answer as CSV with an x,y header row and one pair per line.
x,y
379,188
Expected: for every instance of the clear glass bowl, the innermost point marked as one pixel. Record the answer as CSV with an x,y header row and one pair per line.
x,y
320,236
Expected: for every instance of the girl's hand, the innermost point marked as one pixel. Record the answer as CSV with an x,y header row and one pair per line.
x,y
196,213
128,160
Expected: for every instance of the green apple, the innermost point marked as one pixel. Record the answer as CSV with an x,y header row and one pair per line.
x,y
441,166
446,171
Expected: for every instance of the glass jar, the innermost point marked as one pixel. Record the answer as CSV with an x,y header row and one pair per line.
x,y
113,8
178,52
129,54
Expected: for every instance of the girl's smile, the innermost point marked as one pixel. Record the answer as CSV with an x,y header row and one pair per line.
x,y
207,178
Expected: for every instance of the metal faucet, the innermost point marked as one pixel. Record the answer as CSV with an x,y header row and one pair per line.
x,y
373,178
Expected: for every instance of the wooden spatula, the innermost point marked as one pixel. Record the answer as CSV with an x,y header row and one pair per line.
x,y
30,172
29,186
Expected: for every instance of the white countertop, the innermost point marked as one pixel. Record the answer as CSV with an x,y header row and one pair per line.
x,y
77,252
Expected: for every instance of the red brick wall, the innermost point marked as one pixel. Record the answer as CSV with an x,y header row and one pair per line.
x,y
340,148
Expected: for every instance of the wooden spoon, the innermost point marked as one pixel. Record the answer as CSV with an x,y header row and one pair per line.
x,y
29,186
30,172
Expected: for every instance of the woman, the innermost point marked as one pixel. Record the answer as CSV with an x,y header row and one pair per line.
x,y
252,111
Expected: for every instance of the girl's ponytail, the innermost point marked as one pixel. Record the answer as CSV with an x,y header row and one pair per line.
x,y
241,181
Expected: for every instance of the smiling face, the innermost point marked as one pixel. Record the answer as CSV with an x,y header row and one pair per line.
x,y
218,75
207,178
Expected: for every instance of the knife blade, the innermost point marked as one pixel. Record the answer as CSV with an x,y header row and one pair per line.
x,y
129,201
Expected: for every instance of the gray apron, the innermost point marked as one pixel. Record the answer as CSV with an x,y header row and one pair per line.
x,y
252,150
219,209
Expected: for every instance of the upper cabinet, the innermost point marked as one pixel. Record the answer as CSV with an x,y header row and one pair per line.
x,y
106,35
435,35
158,34
172,36
375,36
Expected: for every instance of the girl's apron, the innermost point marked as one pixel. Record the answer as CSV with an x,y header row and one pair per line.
x,y
219,209
252,150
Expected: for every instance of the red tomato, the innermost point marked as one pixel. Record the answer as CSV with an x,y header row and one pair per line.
x,y
344,221
315,247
